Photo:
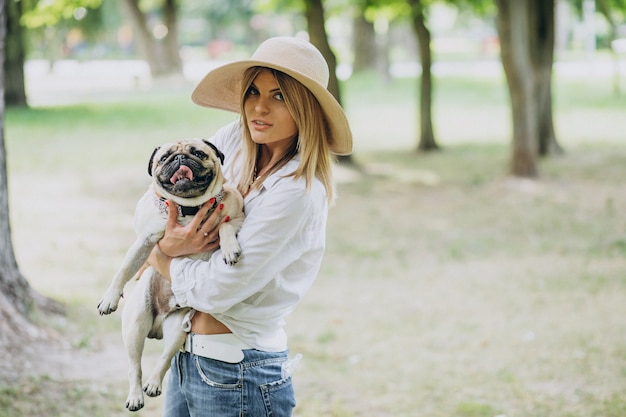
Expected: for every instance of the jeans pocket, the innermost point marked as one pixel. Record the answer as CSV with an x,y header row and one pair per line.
x,y
218,374
278,398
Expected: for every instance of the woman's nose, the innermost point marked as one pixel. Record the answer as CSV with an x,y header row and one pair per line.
x,y
261,106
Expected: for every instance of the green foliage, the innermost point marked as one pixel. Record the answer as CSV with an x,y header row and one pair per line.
x,y
266,6
388,10
50,13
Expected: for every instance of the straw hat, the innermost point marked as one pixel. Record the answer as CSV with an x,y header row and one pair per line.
x,y
221,87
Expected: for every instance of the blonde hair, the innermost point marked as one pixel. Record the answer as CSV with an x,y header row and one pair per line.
x,y
312,139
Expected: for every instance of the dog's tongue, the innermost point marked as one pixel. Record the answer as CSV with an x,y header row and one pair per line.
x,y
183,173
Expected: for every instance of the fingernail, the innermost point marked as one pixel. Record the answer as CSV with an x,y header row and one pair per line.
x,y
227,218
221,206
212,200
167,203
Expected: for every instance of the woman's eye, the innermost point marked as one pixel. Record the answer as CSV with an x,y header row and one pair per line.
x,y
252,91
279,97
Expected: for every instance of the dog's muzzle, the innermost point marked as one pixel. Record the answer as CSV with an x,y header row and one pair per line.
x,y
222,347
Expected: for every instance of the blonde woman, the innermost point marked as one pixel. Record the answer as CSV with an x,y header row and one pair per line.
x,y
235,360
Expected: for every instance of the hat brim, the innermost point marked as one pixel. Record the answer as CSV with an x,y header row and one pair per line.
x,y
221,89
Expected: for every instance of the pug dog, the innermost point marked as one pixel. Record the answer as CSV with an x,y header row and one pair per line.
x,y
189,173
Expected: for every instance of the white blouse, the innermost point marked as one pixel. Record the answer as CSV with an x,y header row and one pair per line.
x,y
282,240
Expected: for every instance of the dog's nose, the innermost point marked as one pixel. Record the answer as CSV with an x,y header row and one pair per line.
x,y
179,159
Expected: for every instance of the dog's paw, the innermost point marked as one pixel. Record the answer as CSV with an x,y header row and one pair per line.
x,y
231,251
231,258
152,389
134,402
109,303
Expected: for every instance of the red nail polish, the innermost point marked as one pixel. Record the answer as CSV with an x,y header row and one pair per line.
x,y
227,218
221,206
167,203
212,200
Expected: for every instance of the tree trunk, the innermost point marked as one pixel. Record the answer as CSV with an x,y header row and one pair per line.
x,y
15,55
542,35
17,298
513,30
427,136
317,32
12,283
162,59
171,40
364,44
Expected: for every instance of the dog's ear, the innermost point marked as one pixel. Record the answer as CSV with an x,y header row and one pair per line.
x,y
219,154
151,158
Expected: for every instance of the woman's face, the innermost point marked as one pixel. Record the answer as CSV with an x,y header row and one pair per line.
x,y
269,120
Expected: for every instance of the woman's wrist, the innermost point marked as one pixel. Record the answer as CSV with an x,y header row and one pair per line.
x,y
161,261
160,248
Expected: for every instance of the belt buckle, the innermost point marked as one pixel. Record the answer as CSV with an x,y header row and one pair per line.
x,y
187,344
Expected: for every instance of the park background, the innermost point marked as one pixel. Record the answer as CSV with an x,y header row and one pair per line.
x,y
449,287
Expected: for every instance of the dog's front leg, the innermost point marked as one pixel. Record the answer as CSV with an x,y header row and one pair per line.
x,y
173,338
135,258
231,251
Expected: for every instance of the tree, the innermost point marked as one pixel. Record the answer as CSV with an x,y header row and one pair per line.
x,y
417,11
17,298
316,23
33,16
513,29
542,40
159,46
418,19
15,55
526,31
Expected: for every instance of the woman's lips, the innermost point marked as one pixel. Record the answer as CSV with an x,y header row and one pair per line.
x,y
260,125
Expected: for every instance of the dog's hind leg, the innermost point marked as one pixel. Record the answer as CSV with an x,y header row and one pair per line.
x,y
137,321
173,338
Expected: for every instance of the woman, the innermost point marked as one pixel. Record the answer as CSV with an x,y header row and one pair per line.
x,y
235,359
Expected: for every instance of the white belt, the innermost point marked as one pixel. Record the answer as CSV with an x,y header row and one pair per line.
x,y
223,347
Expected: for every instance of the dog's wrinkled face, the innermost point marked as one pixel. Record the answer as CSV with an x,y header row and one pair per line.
x,y
187,170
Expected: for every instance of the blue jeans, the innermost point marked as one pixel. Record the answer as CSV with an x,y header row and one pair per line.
x,y
203,387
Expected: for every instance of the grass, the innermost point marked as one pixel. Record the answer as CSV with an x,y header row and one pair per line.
x,y
448,288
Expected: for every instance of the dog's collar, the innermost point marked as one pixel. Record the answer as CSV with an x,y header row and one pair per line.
x,y
184,210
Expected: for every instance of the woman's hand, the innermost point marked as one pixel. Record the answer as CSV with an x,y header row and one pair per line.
x,y
198,236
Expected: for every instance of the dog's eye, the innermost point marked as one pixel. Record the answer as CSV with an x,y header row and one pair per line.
x,y
165,156
198,154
